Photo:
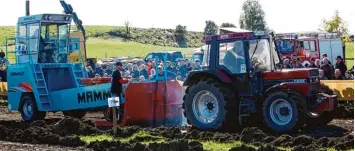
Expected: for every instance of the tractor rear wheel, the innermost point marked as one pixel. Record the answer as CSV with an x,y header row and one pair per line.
x,y
281,113
209,104
79,114
29,110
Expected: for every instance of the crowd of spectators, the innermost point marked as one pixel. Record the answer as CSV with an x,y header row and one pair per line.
x,y
327,71
140,70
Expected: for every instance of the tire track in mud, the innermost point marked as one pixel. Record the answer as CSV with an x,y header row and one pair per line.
x,y
65,132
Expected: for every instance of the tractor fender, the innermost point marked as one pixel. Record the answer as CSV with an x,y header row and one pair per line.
x,y
217,74
283,87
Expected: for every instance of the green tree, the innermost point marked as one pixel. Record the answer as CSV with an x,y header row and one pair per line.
x,y
180,31
227,25
211,28
335,24
252,17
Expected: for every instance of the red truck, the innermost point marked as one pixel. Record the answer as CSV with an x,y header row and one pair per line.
x,y
306,48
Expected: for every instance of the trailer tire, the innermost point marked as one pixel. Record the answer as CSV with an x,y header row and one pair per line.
x,y
29,110
280,113
79,114
222,106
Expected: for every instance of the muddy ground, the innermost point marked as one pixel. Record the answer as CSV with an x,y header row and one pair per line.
x,y
56,133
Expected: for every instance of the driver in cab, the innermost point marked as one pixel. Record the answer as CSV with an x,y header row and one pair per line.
x,y
234,59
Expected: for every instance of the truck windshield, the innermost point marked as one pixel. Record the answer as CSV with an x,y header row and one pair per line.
x,y
285,46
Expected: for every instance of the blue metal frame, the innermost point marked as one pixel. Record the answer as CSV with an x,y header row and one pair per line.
x,y
46,80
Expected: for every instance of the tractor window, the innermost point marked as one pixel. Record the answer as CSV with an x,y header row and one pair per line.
x,y
206,56
259,52
312,45
232,56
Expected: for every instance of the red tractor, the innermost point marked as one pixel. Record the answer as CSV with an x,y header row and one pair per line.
x,y
244,85
306,48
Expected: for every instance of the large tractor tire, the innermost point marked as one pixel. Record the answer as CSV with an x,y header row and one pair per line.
x,y
29,110
325,117
211,105
281,113
79,114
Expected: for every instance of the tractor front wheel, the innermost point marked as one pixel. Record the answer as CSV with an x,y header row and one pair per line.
x,y
280,113
79,114
29,110
209,104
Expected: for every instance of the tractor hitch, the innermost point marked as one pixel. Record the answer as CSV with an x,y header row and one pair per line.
x,y
325,102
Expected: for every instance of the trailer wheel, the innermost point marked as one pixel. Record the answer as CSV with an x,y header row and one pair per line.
x,y
280,113
211,105
29,110
79,114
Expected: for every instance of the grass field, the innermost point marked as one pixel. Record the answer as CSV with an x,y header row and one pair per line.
x,y
116,47
349,53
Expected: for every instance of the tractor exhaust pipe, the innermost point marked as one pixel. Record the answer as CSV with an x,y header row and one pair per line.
x,y
27,7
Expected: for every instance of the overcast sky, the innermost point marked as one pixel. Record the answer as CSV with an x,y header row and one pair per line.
x,y
281,15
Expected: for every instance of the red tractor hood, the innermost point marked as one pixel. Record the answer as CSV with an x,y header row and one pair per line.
x,y
300,73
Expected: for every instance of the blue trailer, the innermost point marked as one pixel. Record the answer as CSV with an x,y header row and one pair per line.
x,y
40,78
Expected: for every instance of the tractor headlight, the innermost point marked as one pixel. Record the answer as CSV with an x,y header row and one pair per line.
x,y
45,17
49,17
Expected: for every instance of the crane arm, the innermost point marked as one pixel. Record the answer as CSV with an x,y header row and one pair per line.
x,y
68,9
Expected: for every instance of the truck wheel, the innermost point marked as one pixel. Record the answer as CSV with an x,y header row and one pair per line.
x,y
29,110
79,114
211,105
280,113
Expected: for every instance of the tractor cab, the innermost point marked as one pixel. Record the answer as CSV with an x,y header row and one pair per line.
x,y
42,39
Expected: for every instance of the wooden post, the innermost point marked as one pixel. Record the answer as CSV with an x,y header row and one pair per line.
x,y
114,121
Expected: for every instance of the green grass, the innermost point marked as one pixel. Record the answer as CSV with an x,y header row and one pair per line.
x,y
140,134
349,53
116,47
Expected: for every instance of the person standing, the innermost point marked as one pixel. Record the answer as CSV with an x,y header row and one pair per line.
x,y
116,85
327,68
312,65
340,65
337,75
3,65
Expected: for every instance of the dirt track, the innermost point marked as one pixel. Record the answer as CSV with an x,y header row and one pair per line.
x,y
62,136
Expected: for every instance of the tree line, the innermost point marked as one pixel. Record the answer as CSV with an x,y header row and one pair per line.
x,y
252,18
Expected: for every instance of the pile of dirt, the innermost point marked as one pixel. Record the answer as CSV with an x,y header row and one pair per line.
x,y
46,132
65,132
345,111
70,126
255,136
